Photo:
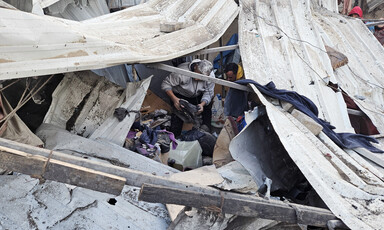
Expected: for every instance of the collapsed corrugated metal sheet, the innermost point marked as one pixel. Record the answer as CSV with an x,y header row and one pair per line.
x,y
280,41
78,10
362,78
330,5
373,4
36,45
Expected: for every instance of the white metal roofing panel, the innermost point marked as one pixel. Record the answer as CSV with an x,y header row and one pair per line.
x,y
78,10
362,78
281,44
280,41
33,45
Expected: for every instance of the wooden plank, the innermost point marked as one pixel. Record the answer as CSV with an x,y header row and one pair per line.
x,y
215,50
51,169
152,102
200,76
232,203
133,177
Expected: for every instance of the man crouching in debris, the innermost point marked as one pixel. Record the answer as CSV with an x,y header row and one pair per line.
x,y
196,92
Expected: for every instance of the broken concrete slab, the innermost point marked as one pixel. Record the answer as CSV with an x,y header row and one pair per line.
x,y
236,178
82,102
28,205
116,131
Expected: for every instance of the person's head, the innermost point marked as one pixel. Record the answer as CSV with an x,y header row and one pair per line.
x,y
356,12
231,71
201,66
380,27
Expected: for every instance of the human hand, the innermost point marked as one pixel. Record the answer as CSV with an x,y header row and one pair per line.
x,y
201,108
176,103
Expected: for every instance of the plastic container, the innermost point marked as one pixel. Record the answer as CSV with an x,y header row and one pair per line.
x,y
187,155
218,117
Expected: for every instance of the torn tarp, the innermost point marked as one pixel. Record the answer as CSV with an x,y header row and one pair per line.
x,y
305,105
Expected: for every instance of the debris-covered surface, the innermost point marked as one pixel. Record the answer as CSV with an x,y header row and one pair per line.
x,y
61,140
289,42
26,204
278,152
128,36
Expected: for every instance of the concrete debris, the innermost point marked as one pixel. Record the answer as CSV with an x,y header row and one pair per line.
x,y
52,205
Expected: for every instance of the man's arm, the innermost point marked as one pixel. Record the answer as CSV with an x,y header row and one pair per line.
x,y
175,100
169,82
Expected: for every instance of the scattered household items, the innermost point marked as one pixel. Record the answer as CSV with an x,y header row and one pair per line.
x,y
206,140
121,113
187,112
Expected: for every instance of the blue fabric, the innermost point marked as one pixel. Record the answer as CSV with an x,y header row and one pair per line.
x,y
237,103
305,105
232,41
149,136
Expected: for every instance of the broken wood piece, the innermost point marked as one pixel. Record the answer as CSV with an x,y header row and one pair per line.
x,y
337,59
200,76
152,102
308,122
168,27
46,168
133,177
232,203
288,107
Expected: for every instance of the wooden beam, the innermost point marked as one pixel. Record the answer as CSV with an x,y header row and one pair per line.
x,y
133,177
51,169
215,50
237,204
200,76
